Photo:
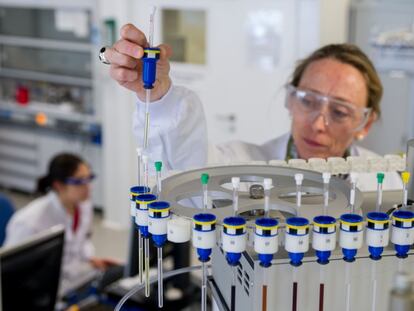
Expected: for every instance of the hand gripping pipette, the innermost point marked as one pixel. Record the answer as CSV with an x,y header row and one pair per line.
x,y
149,69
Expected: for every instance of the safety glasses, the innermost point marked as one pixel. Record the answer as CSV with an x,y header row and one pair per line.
x,y
79,181
337,113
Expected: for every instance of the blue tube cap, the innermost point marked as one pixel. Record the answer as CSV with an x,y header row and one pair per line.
x,y
349,254
375,252
159,240
140,189
402,250
204,254
323,257
233,258
296,259
265,260
144,231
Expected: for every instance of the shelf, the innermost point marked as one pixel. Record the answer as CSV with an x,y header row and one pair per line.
x,y
34,108
46,44
40,76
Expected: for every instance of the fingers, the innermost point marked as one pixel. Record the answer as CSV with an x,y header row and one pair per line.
x,y
131,33
122,74
119,59
166,51
129,48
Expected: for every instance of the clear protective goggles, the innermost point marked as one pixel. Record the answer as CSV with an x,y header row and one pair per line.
x,y
74,181
337,113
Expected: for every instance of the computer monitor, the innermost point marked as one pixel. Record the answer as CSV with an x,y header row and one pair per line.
x,y
30,271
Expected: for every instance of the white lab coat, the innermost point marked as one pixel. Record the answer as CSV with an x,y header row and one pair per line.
x,y
46,212
178,137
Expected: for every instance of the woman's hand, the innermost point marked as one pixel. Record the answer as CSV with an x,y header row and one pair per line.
x,y
126,65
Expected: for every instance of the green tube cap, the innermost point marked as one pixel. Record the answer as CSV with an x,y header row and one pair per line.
x,y
158,166
204,179
380,177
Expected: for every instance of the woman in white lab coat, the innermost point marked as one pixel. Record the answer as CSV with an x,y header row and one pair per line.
x,y
65,201
333,98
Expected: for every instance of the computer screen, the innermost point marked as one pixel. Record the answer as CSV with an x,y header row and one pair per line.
x,y
29,272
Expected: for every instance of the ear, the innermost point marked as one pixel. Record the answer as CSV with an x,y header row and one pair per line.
x,y
361,134
58,186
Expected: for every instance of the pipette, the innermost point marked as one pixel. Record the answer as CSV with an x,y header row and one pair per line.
x,y
149,69
323,241
267,185
204,182
234,244
354,178
204,239
235,181
140,239
405,178
377,235
159,214
265,245
380,179
350,240
326,178
296,244
158,166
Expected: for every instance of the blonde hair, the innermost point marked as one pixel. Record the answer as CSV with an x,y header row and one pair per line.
x,y
352,55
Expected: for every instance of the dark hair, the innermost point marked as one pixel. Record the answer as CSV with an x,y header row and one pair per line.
x,y
61,167
352,55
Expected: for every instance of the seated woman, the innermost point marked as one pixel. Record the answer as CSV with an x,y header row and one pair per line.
x,y
333,98
66,201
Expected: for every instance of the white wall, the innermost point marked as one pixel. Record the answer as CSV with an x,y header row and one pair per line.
x,y
333,21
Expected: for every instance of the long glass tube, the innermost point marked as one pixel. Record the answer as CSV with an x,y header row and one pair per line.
x,y
267,202
204,287
374,286
147,117
235,200
352,197
140,256
146,172
348,286
298,198
379,197
160,279
205,197
233,291
405,196
147,268
148,91
264,290
158,176
325,198
294,289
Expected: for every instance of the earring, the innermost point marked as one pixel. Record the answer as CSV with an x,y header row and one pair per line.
x,y
360,137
